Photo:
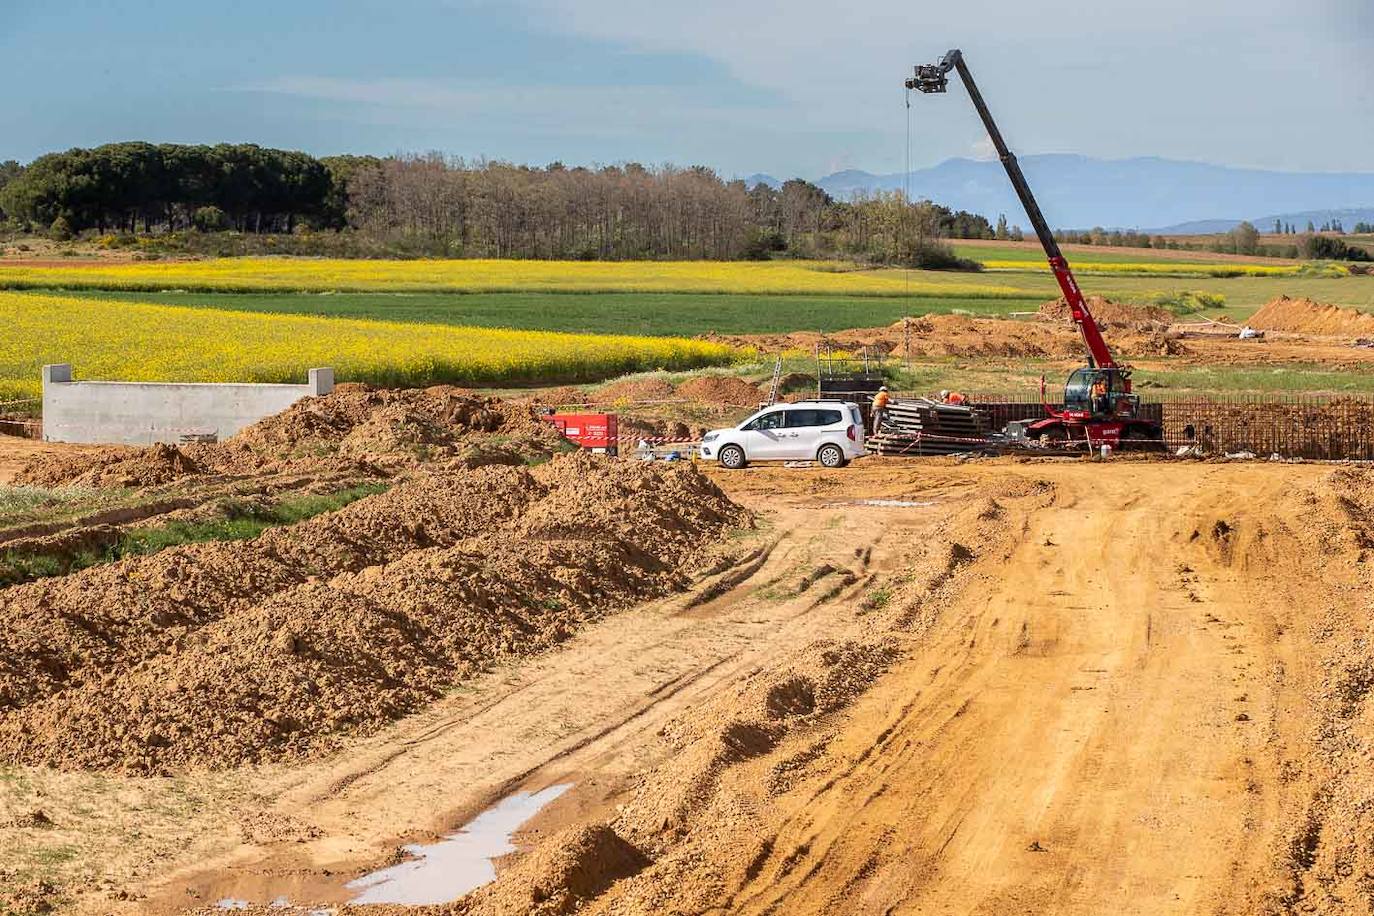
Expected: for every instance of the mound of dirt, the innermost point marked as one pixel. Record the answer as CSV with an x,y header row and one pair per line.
x,y
383,414
224,653
567,870
564,395
726,390
1108,313
1149,343
353,429
115,467
632,390
1303,316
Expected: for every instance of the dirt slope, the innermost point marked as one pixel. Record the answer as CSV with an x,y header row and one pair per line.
x,y
1303,316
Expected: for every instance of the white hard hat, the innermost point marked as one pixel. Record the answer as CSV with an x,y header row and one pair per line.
x,y
944,392
883,388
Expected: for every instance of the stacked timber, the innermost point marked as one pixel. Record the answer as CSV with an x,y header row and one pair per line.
x,y
920,426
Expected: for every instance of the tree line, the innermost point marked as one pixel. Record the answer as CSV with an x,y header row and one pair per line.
x,y
437,206
133,187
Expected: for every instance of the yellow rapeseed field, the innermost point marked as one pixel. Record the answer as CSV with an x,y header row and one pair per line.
x,y
141,342
321,275
1171,268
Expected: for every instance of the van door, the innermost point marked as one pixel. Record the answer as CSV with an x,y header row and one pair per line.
x,y
764,438
804,426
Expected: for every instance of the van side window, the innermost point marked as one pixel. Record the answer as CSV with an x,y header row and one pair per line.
x,y
796,418
772,420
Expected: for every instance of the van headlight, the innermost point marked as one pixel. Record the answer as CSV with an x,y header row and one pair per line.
x,y
710,437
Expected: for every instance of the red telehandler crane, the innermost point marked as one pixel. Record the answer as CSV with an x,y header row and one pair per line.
x,y
1099,408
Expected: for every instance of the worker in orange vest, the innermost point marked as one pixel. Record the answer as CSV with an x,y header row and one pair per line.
x,y
880,402
953,397
1101,401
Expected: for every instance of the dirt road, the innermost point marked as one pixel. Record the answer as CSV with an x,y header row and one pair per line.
x,y
1067,736
931,688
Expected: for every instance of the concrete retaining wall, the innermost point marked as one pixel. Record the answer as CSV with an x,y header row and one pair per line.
x,y
141,413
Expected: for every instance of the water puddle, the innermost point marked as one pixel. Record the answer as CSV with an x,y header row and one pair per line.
x,y
457,864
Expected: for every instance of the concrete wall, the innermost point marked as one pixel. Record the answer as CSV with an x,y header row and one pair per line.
x,y
141,413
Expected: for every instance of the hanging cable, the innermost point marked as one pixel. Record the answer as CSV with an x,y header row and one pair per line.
x,y
904,250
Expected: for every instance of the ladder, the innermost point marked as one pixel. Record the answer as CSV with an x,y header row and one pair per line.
x,y
777,381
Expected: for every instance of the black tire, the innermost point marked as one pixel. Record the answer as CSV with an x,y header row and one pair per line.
x,y
831,456
732,457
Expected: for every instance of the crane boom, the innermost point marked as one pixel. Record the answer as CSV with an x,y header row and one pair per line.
x,y
935,78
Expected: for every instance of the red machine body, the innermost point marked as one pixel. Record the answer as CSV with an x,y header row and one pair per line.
x,y
596,431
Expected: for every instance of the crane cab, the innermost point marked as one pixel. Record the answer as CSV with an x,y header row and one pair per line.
x,y
1093,393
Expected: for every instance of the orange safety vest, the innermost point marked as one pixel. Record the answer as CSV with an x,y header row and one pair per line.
x,y
956,398
880,400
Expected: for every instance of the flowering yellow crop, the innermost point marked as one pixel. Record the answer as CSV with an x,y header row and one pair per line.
x,y
1172,268
139,342
321,274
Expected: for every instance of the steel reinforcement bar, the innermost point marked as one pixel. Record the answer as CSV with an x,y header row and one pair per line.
x,y
1326,426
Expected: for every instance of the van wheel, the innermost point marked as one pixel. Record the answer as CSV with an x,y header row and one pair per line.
x,y
732,457
831,456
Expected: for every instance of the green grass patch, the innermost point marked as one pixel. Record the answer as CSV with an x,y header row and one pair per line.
x,y
239,522
647,314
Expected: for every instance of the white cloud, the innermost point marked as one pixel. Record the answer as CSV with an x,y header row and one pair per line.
x,y
1198,79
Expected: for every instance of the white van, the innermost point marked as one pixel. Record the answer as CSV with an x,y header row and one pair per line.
x,y
830,432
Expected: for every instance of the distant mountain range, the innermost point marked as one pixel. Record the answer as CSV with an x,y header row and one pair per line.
x,y
1163,196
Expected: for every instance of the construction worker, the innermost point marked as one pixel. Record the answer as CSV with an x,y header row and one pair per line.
x,y
880,402
1101,402
956,398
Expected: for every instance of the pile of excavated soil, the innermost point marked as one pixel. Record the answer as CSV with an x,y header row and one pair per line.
x,y
959,335
632,390
225,653
727,390
352,429
1303,316
561,396
112,467
1108,313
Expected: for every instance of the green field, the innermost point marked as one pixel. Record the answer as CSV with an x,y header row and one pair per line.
x,y
657,314
701,313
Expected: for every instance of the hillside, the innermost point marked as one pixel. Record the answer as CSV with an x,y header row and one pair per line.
x,y
1147,192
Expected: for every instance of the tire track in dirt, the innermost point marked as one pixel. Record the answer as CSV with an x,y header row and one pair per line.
x,y
593,708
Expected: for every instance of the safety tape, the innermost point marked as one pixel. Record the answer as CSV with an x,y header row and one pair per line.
x,y
654,440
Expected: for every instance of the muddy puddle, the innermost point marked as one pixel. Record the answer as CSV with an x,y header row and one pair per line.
x,y
459,863
433,872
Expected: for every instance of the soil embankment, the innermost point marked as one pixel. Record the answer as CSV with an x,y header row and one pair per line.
x,y
228,653
1303,316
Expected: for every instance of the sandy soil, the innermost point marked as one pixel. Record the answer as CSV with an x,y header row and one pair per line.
x,y
16,453
922,687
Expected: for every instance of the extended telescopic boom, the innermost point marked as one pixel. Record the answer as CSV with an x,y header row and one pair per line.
x,y
935,78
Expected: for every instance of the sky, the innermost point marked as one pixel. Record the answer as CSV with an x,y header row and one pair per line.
x,y
784,87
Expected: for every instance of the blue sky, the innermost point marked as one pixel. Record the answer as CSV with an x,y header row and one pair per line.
x,y
789,87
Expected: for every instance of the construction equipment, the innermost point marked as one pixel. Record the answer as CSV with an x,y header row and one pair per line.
x,y
1099,407
596,432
